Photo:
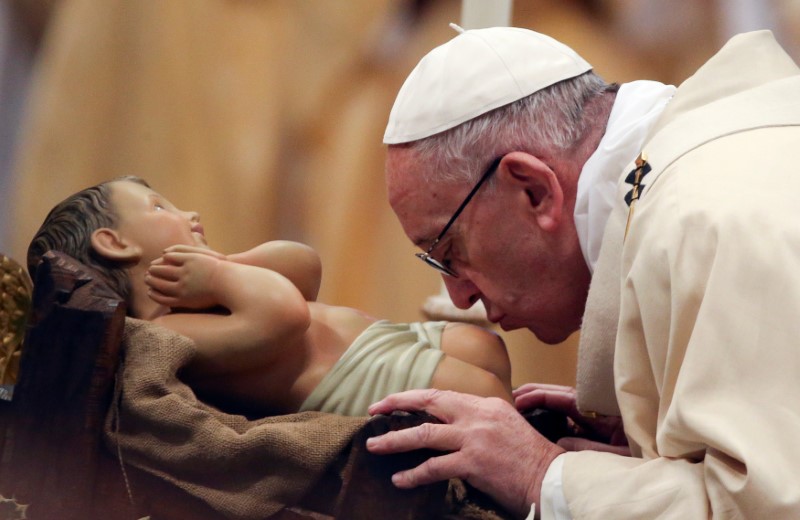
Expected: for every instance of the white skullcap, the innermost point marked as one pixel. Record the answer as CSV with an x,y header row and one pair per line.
x,y
475,72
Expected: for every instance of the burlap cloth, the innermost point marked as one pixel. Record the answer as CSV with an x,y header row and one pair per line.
x,y
242,468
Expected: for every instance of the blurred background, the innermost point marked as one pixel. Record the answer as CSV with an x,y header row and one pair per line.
x,y
266,116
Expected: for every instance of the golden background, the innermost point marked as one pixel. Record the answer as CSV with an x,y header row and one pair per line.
x,y
266,116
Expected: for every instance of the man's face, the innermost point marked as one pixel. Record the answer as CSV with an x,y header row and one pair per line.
x,y
151,222
525,276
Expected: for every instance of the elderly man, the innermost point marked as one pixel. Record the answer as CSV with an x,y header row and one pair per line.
x,y
662,222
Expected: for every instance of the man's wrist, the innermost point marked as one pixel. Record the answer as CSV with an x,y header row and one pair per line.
x,y
551,453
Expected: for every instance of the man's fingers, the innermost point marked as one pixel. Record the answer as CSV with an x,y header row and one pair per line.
x,y
563,401
440,437
411,400
443,467
487,443
445,405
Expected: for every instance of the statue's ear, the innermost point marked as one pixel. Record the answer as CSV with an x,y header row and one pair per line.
x,y
111,245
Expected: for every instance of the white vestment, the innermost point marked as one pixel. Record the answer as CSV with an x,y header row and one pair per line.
x,y
707,349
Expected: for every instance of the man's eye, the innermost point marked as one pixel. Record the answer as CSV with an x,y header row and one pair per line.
x,y
447,261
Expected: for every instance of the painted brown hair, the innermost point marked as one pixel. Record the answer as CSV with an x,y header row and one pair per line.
x,y
68,229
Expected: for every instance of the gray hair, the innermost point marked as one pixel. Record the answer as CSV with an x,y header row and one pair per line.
x,y
550,121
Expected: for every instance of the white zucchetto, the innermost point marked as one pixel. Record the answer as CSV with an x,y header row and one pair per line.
x,y
475,72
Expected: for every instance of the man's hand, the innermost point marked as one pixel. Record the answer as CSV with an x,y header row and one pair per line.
x,y
487,443
183,277
598,433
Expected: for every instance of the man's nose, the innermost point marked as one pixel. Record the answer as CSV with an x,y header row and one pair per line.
x,y
462,291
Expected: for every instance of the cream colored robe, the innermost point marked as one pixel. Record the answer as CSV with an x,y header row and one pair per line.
x,y
707,356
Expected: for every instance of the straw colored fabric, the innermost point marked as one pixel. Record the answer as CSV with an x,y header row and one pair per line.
x,y
384,359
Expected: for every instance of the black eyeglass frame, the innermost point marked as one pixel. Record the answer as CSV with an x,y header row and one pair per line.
x,y
426,256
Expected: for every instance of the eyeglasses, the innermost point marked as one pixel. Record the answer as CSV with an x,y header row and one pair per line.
x,y
426,256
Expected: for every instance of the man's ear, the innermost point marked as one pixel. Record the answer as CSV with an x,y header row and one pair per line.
x,y
540,186
109,244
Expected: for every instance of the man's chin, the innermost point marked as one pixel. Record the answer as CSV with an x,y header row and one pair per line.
x,y
508,327
550,337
